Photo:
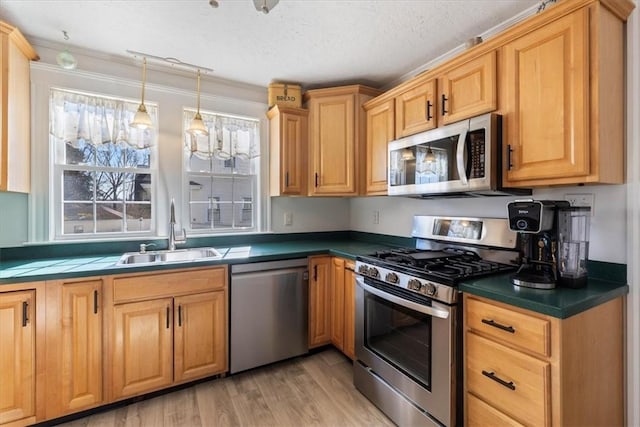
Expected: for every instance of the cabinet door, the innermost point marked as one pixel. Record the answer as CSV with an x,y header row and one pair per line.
x,y
380,130
468,90
74,346
332,145
142,347
288,157
416,109
337,302
319,301
17,356
547,102
200,324
349,310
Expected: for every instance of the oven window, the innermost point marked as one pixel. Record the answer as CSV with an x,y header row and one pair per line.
x,y
399,335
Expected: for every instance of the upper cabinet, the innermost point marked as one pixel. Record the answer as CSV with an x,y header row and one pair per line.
x,y
416,109
337,129
15,125
380,130
288,140
564,98
468,90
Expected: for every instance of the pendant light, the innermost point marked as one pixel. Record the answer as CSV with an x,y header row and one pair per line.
x,y
430,157
407,154
197,126
142,120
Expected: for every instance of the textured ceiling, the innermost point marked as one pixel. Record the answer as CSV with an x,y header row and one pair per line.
x,y
312,42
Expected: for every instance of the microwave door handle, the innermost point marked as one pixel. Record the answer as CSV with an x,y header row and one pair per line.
x,y
460,157
425,309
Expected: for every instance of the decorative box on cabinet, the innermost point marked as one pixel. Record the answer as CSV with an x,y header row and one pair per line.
x,y
74,345
15,113
337,131
563,96
525,368
22,339
288,139
167,329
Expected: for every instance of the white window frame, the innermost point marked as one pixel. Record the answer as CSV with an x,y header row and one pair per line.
x,y
56,185
256,182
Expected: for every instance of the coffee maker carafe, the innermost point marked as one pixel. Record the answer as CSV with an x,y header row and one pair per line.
x,y
548,230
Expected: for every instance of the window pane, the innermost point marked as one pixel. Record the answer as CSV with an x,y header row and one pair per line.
x,y
78,218
138,187
110,155
77,185
81,154
222,188
226,216
203,215
138,158
111,186
109,217
242,188
138,217
243,213
200,188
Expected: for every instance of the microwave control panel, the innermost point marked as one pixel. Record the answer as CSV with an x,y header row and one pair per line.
x,y
477,148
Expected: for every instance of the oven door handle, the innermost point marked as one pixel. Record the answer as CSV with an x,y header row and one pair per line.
x,y
425,309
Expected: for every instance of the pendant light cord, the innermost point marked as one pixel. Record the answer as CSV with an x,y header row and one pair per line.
x,y
198,91
144,78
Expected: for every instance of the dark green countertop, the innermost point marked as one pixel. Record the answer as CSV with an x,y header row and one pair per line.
x,y
15,271
559,302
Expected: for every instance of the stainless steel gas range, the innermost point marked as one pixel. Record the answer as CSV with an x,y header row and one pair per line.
x,y
409,316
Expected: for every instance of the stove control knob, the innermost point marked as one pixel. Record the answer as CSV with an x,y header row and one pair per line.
x,y
373,272
414,285
363,269
392,278
429,289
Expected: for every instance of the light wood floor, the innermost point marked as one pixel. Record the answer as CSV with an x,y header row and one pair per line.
x,y
313,390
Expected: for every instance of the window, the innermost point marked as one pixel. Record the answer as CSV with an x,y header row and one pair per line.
x,y
103,170
222,170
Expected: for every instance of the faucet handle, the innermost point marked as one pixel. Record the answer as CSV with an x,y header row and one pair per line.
x,y
182,239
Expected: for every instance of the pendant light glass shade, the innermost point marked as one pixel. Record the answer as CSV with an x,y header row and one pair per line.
x,y
197,126
142,120
430,157
66,60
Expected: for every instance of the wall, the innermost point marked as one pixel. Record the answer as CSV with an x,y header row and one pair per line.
x,y
13,218
608,224
310,214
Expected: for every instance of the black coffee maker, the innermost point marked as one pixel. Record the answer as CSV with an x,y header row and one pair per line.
x,y
536,221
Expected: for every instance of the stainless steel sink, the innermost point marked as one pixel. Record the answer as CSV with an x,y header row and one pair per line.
x,y
168,257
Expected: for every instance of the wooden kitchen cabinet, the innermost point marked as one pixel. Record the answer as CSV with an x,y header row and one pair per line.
x,y
167,328
416,109
337,132
288,139
15,112
22,355
74,345
564,97
343,306
468,89
525,368
319,301
380,131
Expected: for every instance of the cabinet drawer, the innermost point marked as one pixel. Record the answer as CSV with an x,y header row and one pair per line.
x,y
519,329
481,414
151,286
513,382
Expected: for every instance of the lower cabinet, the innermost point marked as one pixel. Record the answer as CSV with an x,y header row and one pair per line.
x,y
167,329
21,352
342,297
319,301
74,361
525,368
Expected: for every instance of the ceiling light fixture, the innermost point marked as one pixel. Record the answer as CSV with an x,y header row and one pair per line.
x,y
197,126
142,120
263,6
430,157
65,59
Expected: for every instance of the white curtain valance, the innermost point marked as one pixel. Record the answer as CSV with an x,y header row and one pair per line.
x,y
95,120
228,137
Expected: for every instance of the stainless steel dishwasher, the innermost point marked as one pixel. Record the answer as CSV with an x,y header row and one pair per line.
x,y
269,306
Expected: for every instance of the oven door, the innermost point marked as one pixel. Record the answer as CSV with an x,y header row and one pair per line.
x,y
410,345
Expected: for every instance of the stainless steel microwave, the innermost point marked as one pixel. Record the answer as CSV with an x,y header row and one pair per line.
x,y
460,159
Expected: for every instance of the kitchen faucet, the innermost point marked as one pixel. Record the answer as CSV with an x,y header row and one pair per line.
x,y
172,230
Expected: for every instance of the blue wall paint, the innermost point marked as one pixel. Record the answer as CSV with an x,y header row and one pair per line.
x,y
13,219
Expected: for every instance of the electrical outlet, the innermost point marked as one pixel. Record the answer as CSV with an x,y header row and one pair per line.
x,y
288,218
584,199
376,217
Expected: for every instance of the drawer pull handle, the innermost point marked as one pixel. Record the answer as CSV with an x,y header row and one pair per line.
x,y
429,106
493,323
25,313
168,312
510,385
